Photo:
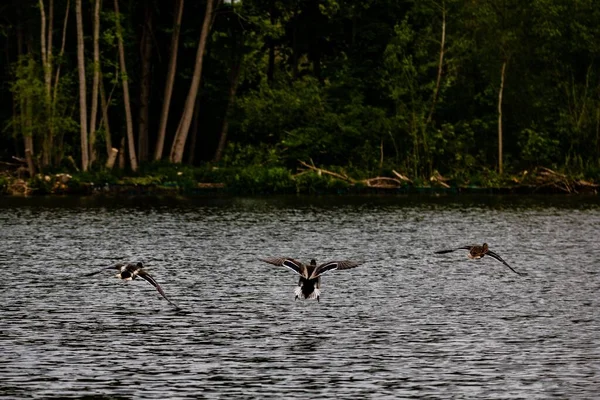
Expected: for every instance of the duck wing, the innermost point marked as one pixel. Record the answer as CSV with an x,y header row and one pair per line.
x,y
451,250
290,263
497,257
332,266
146,276
116,266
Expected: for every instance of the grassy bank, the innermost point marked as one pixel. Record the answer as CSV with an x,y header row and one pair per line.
x,y
309,179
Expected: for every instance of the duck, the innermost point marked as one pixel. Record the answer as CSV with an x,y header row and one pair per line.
x,y
476,252
309,285
130,271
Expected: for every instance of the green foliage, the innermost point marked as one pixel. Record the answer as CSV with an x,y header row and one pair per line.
x,y
256,180
347,85
538,148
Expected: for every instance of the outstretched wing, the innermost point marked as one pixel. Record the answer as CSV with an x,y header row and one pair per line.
x,y
290,263
146,276
497,257
332,266
451,250
116,266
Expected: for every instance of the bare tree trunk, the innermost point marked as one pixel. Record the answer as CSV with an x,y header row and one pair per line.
x,y
129,122
25,120
440,65
46,50
122,154
110,162
160,141
500,92
104,120
96,81
192,148
146,52
186,119
233,84
271,63
62,51
82,88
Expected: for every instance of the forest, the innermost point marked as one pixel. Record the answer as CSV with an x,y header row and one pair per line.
x,y
272,92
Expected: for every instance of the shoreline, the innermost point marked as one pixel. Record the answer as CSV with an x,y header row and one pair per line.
x,y
204,189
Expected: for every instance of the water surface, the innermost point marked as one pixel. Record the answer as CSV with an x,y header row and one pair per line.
x,y
406,324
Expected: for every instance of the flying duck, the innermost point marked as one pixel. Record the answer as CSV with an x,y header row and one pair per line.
x,y
309,285
476,252
130,271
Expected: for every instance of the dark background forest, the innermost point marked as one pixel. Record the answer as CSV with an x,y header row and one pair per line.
x,y
450,86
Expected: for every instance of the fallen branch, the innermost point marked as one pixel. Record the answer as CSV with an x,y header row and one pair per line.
x,y
324,171
402,177
382,182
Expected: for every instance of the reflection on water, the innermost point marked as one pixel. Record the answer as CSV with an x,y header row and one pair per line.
x,y
408,323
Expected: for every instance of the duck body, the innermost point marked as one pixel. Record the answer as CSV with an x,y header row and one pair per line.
x,y
308,288
130,271
476,252
309,284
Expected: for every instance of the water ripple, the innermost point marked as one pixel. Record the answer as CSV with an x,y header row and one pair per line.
x,y
407,324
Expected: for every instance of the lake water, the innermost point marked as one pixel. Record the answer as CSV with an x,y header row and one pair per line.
x,y
407,324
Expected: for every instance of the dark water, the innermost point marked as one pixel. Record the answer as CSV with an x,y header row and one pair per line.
x,y
407,324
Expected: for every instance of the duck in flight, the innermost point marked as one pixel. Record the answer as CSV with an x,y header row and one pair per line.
x,y
130,271
309,285
476,252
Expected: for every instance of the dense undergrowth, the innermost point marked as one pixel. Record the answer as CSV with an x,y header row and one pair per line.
x,y
260,179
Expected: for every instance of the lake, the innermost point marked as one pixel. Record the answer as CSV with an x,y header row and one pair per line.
x,y
407,323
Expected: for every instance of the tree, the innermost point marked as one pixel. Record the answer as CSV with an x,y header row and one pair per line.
x,y
124,78
184,124
164,115
82,87
145,82
96,81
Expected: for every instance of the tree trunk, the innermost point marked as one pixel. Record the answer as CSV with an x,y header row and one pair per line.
x,y
271,63
195,121
500,92
110,162
24,103
46,50
164,115
436,92
104,120
233,83
186,119
146,52
82,88
124,78
96,81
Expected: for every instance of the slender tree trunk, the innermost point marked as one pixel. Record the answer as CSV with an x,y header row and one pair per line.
x,y
195,122
46,33
500,92
295,58
82,87
104,120
271,64
436,92
96,81
233,84
122,154
129,122
24,103
146,52
164,115
186,119
60,55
